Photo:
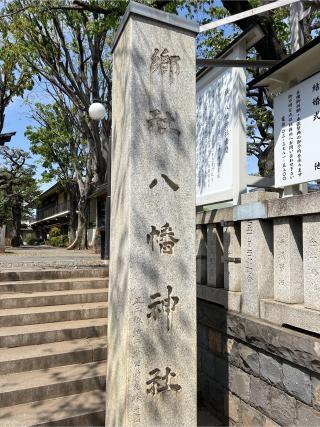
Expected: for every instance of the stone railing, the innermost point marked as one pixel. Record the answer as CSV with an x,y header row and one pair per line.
x,y
262,258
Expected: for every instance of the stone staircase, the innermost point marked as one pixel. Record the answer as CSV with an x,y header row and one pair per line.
x,y
53,327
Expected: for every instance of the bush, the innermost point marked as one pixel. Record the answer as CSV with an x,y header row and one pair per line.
x,y
59,241
31,241
54,241
54,232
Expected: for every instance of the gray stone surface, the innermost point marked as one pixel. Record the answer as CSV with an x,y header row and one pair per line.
x,y
311,261
256,264
201,255
239,383
315,388
298,205
229,299
215,216
290,314
270,369
282,407
295,347
232,254
288,269
2,239
297,383
153,152
258,196
153,14
257,210
214,256
260,394
251,417
248,359
232,407
34,259
307,416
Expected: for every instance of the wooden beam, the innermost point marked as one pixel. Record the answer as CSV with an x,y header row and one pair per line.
x,y
242,63
246,14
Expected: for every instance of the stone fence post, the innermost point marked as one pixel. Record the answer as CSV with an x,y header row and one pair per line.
x,y
288,268
215,256
151,371
256,257
311,261
232,253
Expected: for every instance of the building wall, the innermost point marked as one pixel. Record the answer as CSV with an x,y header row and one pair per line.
x,y
252,373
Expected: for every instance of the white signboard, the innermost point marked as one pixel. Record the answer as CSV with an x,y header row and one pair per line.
x,y
297,133
220,132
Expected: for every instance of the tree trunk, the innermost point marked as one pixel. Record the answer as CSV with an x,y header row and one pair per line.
x,y
16,226
269,47
72,228
79,241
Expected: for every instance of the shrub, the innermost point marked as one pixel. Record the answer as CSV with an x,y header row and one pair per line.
x,y
31,241
54,241
59,241
54,232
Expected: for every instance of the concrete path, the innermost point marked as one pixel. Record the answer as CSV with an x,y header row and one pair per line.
x,y
47,258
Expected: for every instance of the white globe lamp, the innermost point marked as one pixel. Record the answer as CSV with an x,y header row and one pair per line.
x,y
97,111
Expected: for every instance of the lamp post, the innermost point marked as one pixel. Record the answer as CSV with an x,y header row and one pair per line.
x,y
97,112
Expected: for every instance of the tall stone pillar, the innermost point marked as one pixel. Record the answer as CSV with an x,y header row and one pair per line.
x,y
256,264
288,267
2,239
256,255
151,373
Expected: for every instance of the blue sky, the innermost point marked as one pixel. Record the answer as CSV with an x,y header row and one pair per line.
x,y
18,117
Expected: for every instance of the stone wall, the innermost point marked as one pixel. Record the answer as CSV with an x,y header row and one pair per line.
x,y
253,373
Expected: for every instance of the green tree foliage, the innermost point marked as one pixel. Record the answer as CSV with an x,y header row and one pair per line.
x,y
68,47
15,75
65,157
49,141
18,189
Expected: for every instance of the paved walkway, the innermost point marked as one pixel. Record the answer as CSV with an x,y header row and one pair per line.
x,y
47,258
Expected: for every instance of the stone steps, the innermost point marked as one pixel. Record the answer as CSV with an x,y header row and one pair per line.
x,y
49,314
49,383
53,347
79,273
16,336
52,285
52,298
48,355
84,409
